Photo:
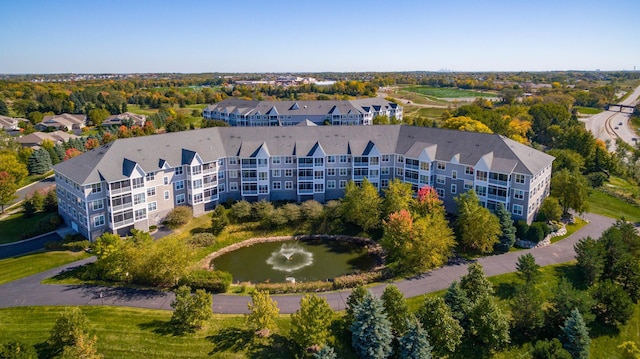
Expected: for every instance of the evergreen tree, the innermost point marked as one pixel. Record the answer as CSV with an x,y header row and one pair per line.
x,y
39,162
53,155
489,325
356,296
371,330
549,349
475,284
415,343
4,109
311,322
526,311
591,259
50,203
456,299
575,336
508,236
565,299
325,353
527,269
395,306
613,305
33,204
219,220
443,329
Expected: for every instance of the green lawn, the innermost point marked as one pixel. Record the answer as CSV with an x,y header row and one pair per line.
x,y
448,92
12,227
607,205
588,110
24,266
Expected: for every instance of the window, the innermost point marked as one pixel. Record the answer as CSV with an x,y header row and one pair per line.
x,y
96,188
275,173
517,209
519,178
263,176
151,191
179,171
384,183
150,176
343,171
399,171
141,213
221,161
98,221
343,158
180,199
197,184
481,175
197,197
468,170
288,160
276,160
233,174
318,175
454,189
263,189
468,184
138,182
481,190
440,179
138,198
331,184
518,194
166,180
221,175
221,187
440,192
179,185
331,159
454,174
166,195
232,161
233,186
342,184
424,166
385,158
318,187
153,206
331,171
318,162
276,185
442,165
263,162
401,159
288,172
288,185
384,171
98,204
374,161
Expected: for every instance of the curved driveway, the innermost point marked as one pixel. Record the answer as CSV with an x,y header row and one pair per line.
x,y
29,292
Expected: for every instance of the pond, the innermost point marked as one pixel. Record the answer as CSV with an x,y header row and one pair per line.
x,y
304,261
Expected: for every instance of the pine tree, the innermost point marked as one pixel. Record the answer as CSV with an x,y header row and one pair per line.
x,y
356,296
311,322
371,330
415,343
395,306
527,269
325,353
51,201
489,325
508,236
443,329
564,300
575,336
526,310
39,162
456,299
219,220
475,283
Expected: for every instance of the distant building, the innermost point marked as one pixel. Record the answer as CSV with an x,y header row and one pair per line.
x,y
290,113
34,140
132,118
10,123
135,182
63,122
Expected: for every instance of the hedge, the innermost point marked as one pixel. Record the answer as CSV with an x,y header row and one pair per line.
x,y
211,281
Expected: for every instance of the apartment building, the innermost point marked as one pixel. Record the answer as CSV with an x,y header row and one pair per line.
x,y
290,113
135,182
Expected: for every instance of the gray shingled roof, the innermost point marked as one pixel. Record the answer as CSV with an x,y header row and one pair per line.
x,y
245,107
149,152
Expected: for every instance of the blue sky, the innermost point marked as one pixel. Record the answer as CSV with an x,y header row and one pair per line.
x,y
113,36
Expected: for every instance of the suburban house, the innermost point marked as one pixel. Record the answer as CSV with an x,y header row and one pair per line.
x,y
125,117
289,113
63,122
34,140
135,182
10,123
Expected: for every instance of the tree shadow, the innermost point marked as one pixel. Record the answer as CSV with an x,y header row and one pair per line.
x,y
505,290
200,230
573,275
598,329
230,339
160,327
244,340
276,346
44,350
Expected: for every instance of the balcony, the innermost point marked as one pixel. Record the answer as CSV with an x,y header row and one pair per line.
x,y
498,182
120,207
120,190
305,191
497,198
123,223
411,167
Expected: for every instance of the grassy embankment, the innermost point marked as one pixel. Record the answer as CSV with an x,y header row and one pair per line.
x,y
623,203
14,225
448,92
24,266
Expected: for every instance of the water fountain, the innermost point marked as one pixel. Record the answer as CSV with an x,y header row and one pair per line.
x,y
290,257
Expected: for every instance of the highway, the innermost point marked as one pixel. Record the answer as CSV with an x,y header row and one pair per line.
x,y
611,125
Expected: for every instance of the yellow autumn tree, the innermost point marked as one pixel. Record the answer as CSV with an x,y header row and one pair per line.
x,y
464,123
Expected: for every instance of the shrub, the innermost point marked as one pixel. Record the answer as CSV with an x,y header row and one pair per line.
x,y
76,246
354,280
241,211
178,217
219,220
521,229
300,287
597,179
201,240
17,350
536,232
211,281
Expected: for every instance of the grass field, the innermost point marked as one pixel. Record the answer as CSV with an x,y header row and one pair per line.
x,y
415,114
131,332
12,227
24,266
448,92
34,178
588,110
613,206
185,110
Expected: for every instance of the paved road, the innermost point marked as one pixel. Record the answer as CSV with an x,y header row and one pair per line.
x,y
617,122
43,184
29,292
30,245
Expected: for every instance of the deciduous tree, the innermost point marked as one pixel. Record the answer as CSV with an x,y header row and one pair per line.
x,y
464,123
69,328
477,228
395,306
9,163
444,331
8,188
397,196
571,190
263,311
310,323
613,305
191,312
489,324
361,205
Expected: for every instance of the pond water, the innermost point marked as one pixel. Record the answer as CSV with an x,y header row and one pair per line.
x,y
303,260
